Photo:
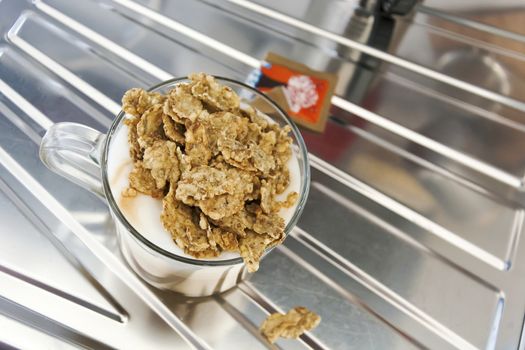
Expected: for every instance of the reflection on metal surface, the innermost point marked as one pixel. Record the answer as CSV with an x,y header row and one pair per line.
x,y
95,248
447,10
479,65
372,284
102,41
411,237
189,32
65,74
347,105
337,101
384,56
21,102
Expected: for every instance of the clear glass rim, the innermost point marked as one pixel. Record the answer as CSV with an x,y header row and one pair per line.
x,y
305,185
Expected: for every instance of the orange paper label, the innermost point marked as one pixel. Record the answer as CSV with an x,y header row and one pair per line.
x,y
307,92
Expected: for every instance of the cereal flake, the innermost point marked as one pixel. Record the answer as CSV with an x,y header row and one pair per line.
x,y
206,88
290,325
136,101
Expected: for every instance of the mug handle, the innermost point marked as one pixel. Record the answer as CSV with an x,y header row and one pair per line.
x,y
73,151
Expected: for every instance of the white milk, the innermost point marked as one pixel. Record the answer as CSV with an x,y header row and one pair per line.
x,y
143,212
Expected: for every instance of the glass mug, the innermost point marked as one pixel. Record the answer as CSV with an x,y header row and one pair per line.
x,y
80,154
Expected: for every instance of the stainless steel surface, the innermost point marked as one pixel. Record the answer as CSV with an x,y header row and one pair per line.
x,y
411,237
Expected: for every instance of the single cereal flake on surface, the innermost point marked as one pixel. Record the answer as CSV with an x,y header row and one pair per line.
x,y
290,325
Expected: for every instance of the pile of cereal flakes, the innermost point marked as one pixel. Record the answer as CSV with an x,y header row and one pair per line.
x,y
216,167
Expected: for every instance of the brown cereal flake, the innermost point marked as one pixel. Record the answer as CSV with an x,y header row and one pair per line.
x,y
226,240
282,150
238,223
248,157
218,162
129,192
250,112
184,164
218,193
206,182
141,180
135,152
222,205
238,143
267,196
290,325
281,179
161,159
181,105
173,131
136,101
252,247
268,141
290,200
256,192
216,167
149,128
181,222
269,224
198,149
206,88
